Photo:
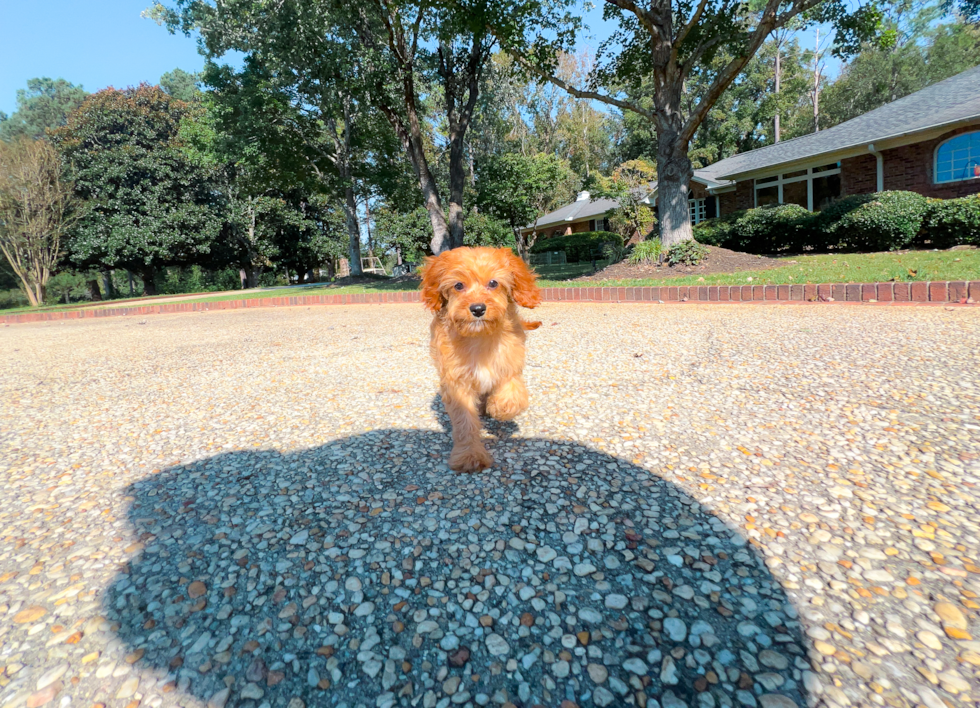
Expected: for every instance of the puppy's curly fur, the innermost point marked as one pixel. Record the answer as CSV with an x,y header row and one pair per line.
x,y
477,340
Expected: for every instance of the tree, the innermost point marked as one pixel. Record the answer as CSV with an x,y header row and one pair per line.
x,y
36,207
923,54
147,202
519,189
658,45
630,185
181,85
44,104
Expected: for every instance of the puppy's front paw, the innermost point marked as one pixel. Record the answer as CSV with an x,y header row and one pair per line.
x,y
472,458
508,402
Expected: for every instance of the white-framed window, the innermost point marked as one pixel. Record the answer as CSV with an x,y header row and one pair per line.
x,y
812,188
699,210
958,158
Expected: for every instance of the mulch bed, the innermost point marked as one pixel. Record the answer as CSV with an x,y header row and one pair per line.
x,y
719,260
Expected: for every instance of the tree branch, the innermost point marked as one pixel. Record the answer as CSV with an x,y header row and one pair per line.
x,y
588,95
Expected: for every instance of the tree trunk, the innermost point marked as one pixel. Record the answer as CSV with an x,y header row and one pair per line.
x,y
93,286
130,274
457,181
353,231
252,276
779,51
674,173
110,289
146,275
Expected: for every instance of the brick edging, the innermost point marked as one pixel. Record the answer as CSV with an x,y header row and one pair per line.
x,y
895,293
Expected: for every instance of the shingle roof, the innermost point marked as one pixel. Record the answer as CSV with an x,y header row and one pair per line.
x,y
591,208
576,211
951,101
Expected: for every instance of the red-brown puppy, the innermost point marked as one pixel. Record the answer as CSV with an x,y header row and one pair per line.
x,y
478,340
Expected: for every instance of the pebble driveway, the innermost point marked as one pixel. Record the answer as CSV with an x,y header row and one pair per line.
x,y
705,507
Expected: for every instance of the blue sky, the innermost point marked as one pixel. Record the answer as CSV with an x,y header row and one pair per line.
x,y
107,43
95,44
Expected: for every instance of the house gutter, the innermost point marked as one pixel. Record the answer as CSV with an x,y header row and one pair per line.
x,y
881,167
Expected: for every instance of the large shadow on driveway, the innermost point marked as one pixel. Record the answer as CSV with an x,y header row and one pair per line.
x,y
364,572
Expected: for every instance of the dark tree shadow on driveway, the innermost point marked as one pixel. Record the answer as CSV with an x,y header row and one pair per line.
x,y
364,572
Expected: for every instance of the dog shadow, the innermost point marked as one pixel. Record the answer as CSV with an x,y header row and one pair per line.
x,y
499,429
365,573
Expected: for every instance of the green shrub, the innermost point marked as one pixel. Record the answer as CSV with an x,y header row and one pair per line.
x,y
771,229
578,248
951,222
886,221
649,251
12,298
613,252
717,231
688,252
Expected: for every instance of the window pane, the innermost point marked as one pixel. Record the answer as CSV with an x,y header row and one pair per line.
x,y
766,180
825,191
767,195
827,167
959,158
795,193
798,173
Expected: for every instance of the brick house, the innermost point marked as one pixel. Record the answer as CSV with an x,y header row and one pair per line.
x,y
587,214
927,142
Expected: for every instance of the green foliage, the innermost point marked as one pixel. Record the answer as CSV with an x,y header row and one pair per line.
x,y
14,297
578,247
517,189
44,104
886,221
411,232
181,85
195,279
69,285
630,187
647,252
485,230
613,252
770,229
950,222
926,55
717,231
148,203
688,252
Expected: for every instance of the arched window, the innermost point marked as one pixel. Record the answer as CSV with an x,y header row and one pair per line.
x,y
959,158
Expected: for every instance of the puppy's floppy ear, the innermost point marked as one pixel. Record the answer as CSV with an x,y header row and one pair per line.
x,y
432,274
524,291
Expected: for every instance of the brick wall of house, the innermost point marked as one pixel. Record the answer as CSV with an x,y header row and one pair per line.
x,y
726,203
910,168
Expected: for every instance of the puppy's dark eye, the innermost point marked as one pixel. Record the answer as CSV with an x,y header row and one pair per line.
x,y
459,286
492,284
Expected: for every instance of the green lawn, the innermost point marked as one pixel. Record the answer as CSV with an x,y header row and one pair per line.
x,y
827,268
841,268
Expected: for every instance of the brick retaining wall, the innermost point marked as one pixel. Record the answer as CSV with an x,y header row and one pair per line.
x,y
881,293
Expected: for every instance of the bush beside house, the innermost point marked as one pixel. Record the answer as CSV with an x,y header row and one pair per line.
x,y
578,247
886,221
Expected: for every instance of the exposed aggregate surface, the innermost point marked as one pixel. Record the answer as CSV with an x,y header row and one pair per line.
x,y
705,506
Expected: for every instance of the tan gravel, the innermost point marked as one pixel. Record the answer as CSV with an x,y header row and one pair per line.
x,y
705,506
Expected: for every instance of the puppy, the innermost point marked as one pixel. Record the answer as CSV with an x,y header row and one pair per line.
x,y
478,340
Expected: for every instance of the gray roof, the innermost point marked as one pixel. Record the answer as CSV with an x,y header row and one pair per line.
x,y
954,100
592,208
576,211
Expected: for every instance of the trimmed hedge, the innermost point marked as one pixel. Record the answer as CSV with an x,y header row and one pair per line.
x,y
577,247
886,221
951,222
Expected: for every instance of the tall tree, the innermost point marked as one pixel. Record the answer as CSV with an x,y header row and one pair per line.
x,y
44,104
659,44
182,85
519,189
306,48
925,51
147,202
36,207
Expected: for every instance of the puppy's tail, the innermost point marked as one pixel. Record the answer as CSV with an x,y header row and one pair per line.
x,y
528,326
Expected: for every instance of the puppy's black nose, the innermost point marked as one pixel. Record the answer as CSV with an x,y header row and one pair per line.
x,y
478,309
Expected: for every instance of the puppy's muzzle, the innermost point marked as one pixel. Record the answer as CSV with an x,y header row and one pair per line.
x,y
478,309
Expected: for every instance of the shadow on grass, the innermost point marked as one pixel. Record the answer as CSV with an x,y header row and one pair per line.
x,y
365,573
